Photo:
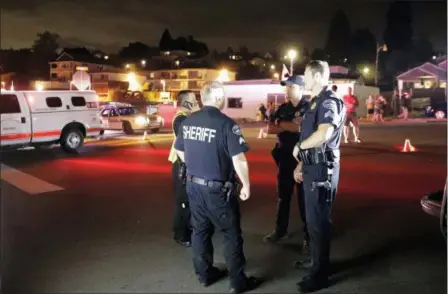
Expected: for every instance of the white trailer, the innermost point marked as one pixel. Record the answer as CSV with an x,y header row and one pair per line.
x,y
243,98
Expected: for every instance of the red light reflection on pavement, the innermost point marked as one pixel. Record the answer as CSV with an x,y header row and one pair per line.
x,y
118,166
161,152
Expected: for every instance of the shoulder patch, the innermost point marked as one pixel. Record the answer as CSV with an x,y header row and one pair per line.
x,y
236,130
329,104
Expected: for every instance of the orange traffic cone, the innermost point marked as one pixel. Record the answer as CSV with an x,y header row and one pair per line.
x,y
407,147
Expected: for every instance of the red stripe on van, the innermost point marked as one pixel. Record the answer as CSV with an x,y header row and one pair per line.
x,y
18,136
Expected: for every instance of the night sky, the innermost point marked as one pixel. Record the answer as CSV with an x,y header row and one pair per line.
x,y
259,24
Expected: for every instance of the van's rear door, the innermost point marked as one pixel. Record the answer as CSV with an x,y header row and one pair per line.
x,y
15,119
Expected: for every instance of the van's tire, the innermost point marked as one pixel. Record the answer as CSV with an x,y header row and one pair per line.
x,y
127,128
72,140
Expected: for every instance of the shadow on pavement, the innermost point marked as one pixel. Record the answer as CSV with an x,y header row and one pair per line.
x,y
370,261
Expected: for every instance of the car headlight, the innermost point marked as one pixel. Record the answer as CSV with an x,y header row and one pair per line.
x,y
141,121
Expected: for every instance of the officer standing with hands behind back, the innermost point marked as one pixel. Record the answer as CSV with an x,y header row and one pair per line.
x,y
319,162
212,147
181,224
286,125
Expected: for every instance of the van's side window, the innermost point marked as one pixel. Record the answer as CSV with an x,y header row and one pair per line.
x,y
78,101
9,104
54,102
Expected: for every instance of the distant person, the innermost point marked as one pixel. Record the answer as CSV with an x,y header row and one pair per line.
x,y
379,106
405,106
351,102
334,88
370,104
262,110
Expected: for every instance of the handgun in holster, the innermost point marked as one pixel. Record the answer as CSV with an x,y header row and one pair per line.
x,y
182,173
276,154
231,186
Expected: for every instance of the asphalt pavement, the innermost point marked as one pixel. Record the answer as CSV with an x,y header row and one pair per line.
x,y
100,221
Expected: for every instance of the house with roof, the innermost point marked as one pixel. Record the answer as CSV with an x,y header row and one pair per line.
x,y
63,68
426,81
425,76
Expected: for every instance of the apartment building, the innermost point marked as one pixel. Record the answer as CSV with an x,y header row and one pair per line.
x,y
63,68
175,80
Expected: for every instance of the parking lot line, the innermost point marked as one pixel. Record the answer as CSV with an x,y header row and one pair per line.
x,y
26,182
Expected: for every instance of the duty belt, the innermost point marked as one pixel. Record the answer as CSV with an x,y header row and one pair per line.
x,y
207,183
317,155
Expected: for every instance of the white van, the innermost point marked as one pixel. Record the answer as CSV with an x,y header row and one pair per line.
x,y
37,118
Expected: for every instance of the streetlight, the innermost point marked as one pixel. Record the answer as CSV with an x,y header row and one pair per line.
x,y
106,57
378,49
177,62
292,54
128,66
366,70
434,57
223,76
272,66
39,86
143,62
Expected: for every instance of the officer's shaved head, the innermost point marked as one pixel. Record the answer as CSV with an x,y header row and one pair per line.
x,y
212,94
317,74
187,100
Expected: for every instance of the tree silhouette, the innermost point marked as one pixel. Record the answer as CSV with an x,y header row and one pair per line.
x,y
319,54
338,38
134,51
166,41
46,43
44,50
398,33
363,48
423,50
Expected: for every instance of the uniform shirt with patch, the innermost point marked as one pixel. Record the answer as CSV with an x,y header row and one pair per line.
x,y
209,140
177,123
288,112
326,108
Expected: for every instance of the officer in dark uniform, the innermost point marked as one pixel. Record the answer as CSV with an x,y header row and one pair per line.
x,y
181,223
213,148
286,124
319,156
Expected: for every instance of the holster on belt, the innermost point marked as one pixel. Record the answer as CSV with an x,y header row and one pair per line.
x,y
233,185
182,173
316,156
276,154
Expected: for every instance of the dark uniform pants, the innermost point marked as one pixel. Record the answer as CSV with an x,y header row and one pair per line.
x,y
286,164
319,202
210,211
182,215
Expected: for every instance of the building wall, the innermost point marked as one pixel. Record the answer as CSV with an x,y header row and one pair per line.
x,y
185,79
251,96
63,70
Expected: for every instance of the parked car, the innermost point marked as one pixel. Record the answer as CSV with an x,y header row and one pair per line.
x,y
123,116
435,204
